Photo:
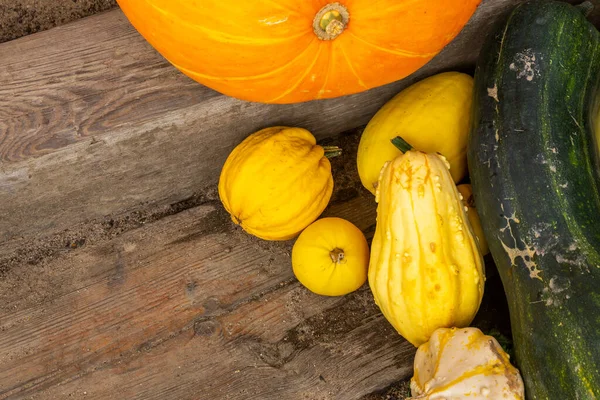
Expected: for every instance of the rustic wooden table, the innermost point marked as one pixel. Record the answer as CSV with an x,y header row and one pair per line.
x,y
121,276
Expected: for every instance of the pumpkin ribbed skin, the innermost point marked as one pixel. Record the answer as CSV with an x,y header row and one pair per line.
x,y
464,364
268,51
276,182
425,269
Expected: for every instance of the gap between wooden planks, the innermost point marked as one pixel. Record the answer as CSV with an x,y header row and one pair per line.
x,y
93,122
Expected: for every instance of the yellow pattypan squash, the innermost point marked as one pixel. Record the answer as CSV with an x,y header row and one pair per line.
x,y
466,191
433,115
464,364
331,257
276,182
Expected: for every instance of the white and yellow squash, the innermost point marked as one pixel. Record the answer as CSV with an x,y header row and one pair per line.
x,y
464,364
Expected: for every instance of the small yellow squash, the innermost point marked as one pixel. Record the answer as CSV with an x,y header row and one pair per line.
x,y
425,269
464,364
466,191
433,115
276,182
331,257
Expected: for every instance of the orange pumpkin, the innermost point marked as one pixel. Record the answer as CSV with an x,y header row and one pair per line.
x,y
288,51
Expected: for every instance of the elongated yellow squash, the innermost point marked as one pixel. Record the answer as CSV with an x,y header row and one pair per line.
x,y
433,115
425,269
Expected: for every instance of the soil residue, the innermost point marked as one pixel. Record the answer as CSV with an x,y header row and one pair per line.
x,y
23,17
97,231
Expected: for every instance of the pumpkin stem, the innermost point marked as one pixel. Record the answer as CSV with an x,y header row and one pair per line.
x,y
401,144
330,21
332,151
337,255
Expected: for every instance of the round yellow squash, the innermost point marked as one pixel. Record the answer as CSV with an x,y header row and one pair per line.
x,y
331,257
276,182
464,364
466,191
433,115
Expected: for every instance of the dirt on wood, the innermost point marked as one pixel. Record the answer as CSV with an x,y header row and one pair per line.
x,y
398,391
347,186
22,269
23,17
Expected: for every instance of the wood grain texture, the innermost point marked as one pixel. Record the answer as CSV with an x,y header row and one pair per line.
x,y
188,306
191,307
93,121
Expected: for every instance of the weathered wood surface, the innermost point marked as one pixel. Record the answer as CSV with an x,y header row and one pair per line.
x,y
191,307
120,274
188,306
93,121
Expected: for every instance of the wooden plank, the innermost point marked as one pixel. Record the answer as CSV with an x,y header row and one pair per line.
x,y
191,307
93,121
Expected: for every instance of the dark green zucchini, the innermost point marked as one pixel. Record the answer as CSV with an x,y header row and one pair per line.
x,y
534,166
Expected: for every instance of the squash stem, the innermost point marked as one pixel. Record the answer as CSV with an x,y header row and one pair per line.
x,y
337,255
332,151
401,144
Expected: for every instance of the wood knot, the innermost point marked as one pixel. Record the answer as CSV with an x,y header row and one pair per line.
x,y
205,327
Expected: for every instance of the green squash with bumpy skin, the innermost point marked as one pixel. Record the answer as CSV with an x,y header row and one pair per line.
x,y
534,165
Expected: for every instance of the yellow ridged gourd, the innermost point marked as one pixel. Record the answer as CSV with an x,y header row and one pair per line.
x,y
277,182
425,270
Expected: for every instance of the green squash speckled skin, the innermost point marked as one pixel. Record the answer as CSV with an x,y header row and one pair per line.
x,y
534,167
